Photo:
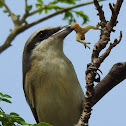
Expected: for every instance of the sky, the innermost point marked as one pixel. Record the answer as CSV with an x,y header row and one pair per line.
x,y
110,110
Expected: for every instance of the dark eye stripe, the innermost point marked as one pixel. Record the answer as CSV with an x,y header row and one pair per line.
x,y
42,35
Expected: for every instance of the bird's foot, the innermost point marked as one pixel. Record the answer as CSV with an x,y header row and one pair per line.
x,y
85,44
90,68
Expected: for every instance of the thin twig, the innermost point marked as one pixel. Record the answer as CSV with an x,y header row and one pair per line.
x,y
7,8
12,15
7,42
115,11
26,4
23,19
100,13
111,46
2,109
105,34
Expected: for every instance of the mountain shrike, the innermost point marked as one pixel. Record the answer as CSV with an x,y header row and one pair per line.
x,y
50,83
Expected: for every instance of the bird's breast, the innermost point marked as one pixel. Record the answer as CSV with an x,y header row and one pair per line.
x,y
57,91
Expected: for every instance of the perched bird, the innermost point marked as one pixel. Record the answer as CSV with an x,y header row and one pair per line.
x,y
50,83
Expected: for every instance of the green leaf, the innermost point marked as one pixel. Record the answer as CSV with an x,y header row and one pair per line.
x,y
40,2
55,7
4,121
7,96
46,10
38,5
1,99
28,8
69,16
19,120
14,114
67,1
14,117
1,94
82,15
63,1
35,125
6,100
54,2
1,5
40,11
44,124
2,113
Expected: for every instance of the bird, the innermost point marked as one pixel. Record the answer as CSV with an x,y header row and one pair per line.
x,y
50,83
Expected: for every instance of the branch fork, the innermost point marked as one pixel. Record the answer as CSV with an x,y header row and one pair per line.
x,y
96,60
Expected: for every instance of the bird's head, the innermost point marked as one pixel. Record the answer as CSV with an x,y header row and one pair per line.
x,y
50,35
43,40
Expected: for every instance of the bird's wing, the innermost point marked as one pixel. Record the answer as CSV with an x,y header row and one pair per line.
x,y
29,91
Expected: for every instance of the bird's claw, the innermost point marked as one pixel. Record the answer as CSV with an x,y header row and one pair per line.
x,y
91,67
85,44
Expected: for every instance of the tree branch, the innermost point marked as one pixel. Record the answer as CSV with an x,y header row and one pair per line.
x,y
100,13
20,28
26,4
7,8
115,11
67,8
111,46
8,41
116,75
23,19
105,33
106,29
56,13
14,18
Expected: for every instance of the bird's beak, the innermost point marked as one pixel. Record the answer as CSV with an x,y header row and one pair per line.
x,y
65,30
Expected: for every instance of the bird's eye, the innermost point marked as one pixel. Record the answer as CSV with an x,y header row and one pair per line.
x,y
42,34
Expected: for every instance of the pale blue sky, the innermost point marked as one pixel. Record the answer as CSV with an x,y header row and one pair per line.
x,y
111,110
